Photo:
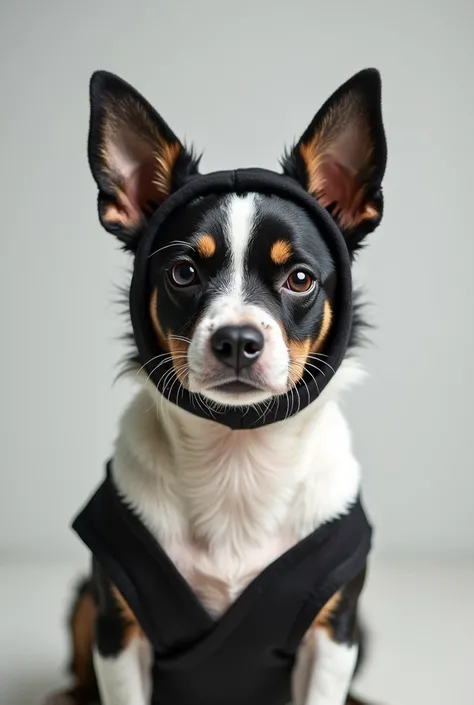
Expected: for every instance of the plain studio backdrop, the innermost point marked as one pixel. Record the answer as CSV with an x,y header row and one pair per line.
x,y
240,80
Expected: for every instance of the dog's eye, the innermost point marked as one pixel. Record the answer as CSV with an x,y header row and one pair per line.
x,y
300,282
183,274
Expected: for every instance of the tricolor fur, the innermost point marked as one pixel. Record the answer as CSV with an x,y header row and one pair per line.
x,y
222,503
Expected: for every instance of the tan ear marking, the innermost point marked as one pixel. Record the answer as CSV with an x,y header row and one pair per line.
x,y
206,246
339,158
280,252
165,159
139,165
313,162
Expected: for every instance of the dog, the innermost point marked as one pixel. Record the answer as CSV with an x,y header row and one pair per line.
x,y
243,302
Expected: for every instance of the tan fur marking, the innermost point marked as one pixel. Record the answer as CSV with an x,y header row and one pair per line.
x,y
326,171
162,339
324,330
130,126
179,351
298,350
322,620
165,158
132,629
206,246
369,212
313,161
280,252
177,347
83,630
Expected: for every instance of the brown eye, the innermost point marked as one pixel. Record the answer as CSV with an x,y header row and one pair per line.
x,y
183,274
300,282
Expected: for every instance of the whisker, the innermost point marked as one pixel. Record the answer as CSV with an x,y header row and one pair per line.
x,y
315,380
175,243
265,410
299,402
180,337
150,360
165,376
315,356
305,359
307,388
310,364
278,404
177,371
163,362
205,405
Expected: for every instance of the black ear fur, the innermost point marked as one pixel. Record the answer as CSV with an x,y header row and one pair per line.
x,y
135,158
341,156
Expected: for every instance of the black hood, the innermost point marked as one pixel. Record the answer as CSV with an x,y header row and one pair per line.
x,y
310,386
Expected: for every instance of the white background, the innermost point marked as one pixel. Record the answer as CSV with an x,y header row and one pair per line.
x,y
240,80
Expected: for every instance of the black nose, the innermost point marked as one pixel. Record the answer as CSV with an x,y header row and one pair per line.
x,y
237,346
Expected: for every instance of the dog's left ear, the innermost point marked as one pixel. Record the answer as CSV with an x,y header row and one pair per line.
x,y
135,158
341,157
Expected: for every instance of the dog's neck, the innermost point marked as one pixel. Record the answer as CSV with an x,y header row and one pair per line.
x,y
191,479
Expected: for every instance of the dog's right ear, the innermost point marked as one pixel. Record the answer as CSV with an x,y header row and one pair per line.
x,y
135,158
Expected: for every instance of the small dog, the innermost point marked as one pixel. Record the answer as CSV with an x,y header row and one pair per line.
x,y
243,301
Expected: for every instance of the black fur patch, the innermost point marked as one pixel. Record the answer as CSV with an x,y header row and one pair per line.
x,y
276,219
110,625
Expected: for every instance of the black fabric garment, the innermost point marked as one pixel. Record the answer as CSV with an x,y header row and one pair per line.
x,y
246,657
242,181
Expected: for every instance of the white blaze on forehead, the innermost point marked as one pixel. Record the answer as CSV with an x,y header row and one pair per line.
x,y
241,213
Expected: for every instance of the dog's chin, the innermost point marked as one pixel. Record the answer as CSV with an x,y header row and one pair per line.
x,y
236,393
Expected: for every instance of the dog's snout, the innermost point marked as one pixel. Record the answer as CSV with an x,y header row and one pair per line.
x,y
237,346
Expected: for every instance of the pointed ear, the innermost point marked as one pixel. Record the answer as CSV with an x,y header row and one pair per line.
x,y
341,156
135,159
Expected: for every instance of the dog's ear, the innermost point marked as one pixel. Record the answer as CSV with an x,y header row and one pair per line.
x,y
341,156
135,158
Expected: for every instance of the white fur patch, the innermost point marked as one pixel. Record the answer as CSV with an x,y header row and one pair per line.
x,y
126,678
269,373
224,504
271,368
239,229
324,670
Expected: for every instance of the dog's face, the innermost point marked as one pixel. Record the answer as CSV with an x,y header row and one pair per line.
x,y
242,286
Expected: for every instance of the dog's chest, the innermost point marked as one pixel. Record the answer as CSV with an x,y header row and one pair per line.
x,y
233,508
218,579
224,505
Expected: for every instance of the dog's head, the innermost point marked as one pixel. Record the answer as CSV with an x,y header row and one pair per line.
x,y
242,285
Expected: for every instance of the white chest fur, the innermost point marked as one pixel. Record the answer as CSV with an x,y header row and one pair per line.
x,y
225,504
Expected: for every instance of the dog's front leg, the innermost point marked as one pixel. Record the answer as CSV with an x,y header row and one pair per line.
x,y
121,677
122,655
328,654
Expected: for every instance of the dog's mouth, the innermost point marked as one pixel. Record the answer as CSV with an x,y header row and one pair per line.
x,y
235,387
234,391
